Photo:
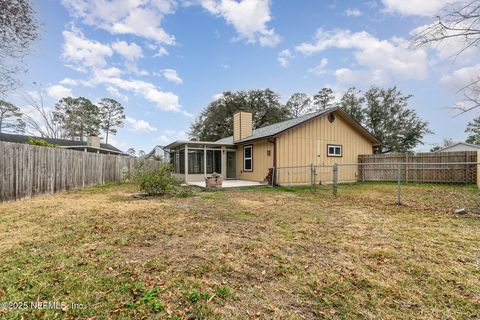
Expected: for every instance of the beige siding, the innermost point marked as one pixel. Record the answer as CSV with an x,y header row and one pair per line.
x,y
307,144
261,161
242,125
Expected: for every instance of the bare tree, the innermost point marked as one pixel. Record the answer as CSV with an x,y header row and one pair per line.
x,y
40,119
18,29
458,21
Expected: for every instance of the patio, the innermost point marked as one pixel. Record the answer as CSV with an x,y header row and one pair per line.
x,y
230,183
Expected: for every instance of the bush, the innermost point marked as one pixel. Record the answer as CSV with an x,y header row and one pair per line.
x,y
155,181
41,143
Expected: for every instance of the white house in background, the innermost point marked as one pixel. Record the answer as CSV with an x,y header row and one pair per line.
x,y
460,146
158,153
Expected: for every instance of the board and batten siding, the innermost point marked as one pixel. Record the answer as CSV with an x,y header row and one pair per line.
x,y
307,144
242,125
262,161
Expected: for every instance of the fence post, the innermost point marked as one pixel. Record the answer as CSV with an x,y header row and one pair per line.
x,y
311,175
335,179
399,177
478,169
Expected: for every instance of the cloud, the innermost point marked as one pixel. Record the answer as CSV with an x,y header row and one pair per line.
x,y
452,45
248,17
172,135
353,12
284,57
161,52
91,57
139,125
171,75
320,68
83,52
117,94
415,7
392,58
130,52
58,92
349,76
462,77
139,18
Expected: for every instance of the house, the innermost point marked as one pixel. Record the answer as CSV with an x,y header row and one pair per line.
x,y
460,146
158,153
91,145
320,138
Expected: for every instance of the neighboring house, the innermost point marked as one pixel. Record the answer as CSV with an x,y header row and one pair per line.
x,y
158,153
460,146
91,145
320,138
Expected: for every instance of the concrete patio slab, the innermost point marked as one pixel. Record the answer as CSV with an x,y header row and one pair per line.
x,y
231,184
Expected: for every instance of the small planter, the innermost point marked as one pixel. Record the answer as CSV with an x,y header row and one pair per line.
x,y
214,181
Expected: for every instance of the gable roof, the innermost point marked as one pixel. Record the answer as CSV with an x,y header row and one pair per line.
x,y
277,128
20,138
460,143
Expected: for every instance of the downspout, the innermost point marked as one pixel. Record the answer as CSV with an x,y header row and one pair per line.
x,y
274,142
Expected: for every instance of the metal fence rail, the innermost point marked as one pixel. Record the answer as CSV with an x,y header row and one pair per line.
x,y
332,175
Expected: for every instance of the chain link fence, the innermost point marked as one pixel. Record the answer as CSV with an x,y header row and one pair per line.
x,y
329,177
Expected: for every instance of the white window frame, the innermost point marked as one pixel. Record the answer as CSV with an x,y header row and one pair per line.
x,y
335,147
250,158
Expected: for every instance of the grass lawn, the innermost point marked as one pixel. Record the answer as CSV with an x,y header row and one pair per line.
x,y
249,253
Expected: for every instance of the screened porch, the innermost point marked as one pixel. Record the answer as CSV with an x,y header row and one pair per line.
x,y
195,160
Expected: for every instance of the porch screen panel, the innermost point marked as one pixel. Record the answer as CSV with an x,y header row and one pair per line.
x,y
179,161
195,161
214,161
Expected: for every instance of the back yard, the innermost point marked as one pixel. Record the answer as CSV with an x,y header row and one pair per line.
x,y
253,253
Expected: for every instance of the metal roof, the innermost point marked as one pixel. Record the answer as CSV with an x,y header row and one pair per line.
x,y
279,127
20,138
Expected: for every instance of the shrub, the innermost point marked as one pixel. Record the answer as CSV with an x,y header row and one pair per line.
x,y
41,143
155,181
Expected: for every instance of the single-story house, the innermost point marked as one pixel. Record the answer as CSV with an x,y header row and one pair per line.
x,y
158,153
460,146
320,138
92,144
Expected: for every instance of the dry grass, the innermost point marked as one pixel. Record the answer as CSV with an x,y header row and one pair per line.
x,y
254,253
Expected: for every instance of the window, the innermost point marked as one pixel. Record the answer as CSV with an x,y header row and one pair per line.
x,y
334,150
214,161
179,161
248,158
195,161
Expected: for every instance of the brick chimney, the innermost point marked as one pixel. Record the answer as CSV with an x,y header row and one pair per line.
x,y
93,141
242,125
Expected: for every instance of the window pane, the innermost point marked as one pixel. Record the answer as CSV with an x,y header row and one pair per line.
x,y
248,152
338,151
331,150
180,161
209,161
195,161
248,164
217,161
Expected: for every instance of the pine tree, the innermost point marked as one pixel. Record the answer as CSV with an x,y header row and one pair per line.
x,y
112,116
11,118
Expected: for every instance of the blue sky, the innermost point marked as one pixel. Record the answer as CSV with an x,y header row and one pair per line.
x,y
165,60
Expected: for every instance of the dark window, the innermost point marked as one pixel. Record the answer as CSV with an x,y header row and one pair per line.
x,y
195,162
214,161
248,158
334,150
179,161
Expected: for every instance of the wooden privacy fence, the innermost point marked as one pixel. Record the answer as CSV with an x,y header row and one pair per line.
x,y
438,167
27,170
